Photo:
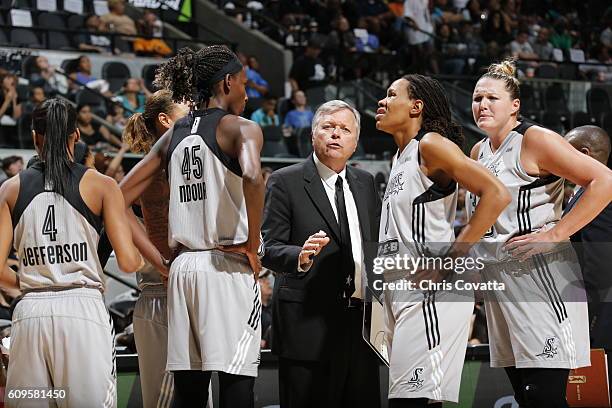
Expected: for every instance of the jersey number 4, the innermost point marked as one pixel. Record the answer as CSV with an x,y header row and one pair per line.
x,y
49,224
191,159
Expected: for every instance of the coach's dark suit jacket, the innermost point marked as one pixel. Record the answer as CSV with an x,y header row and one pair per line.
x,y
307,307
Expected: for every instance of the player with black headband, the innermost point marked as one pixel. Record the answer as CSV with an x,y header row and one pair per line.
x,y
216,203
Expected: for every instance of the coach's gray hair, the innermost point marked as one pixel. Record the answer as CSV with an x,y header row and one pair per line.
x,y
332,107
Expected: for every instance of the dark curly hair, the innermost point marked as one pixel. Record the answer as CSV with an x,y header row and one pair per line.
x,y
187,74
436,110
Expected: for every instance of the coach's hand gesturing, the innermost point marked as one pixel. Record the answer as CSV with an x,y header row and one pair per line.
x,y
311,248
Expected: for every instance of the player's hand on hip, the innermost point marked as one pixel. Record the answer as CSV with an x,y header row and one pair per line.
x,y
312,247
245,249
525,246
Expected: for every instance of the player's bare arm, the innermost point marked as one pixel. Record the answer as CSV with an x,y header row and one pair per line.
x,y
8,196
441,154
245,144
116,223
133,186
545,152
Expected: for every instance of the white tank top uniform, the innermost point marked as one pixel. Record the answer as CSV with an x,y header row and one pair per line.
x,y
214,304
62,316
426,330
540,319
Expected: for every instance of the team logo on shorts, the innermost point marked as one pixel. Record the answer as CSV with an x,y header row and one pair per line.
x,y
550,348
416,382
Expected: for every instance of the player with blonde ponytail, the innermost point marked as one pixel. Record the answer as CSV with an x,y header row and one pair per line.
x,y
538,327
151,313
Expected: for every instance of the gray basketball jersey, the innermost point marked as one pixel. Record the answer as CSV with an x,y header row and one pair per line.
x,y
536,202
417,215
207,206
55,236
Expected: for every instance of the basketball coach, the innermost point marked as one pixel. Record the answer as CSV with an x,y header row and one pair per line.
x,y
320,223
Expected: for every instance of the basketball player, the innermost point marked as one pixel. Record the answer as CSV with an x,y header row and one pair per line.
x,y
216,200
427,331
62,336
150,313
539,338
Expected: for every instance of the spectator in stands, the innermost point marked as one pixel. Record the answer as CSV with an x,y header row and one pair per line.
x,y
111,166
37,96
94,134
451,50
339,46
473,43
419,31
367,41
498,25
474,11
257,86
151,27
79,70
341,37
510,14
308,70
521,48
10,105
116,116
44,75
491,54
311,33
325,13
302,115
541,46
117,21
152,24
266,115
599,73
561,37
133,96
445,13
378,16
94,40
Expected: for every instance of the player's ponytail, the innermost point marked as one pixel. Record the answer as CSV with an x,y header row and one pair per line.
x,y
191,76
177,75
55,120
140,133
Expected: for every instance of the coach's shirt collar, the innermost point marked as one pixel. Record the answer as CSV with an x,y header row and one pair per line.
x,y
328,176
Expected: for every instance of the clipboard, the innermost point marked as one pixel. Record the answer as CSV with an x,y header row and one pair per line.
x,y
374,328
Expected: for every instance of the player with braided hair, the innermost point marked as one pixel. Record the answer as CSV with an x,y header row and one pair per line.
x,y
212,162
187,74
426,329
